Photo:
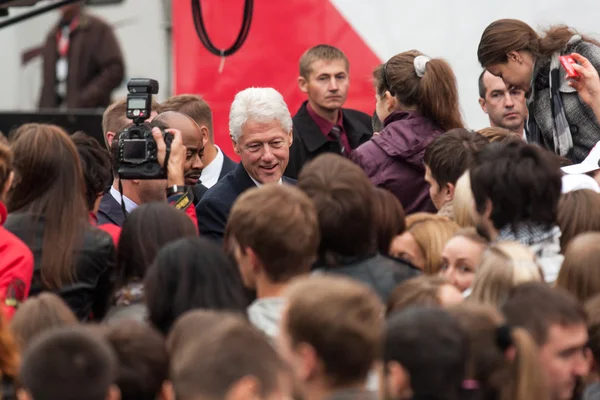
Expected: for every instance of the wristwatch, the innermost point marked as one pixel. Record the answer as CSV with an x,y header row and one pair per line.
x,y
175,189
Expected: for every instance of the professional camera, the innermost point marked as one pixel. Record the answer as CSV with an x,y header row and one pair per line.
x,y
137,148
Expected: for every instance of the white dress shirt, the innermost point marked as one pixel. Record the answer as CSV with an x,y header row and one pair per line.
x,y
129,204
210,173
257,183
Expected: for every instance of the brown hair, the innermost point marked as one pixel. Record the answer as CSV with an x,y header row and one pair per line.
x,y
9,351
233,347
343,197
115,119
6,163
592,308
495,134
279,223
40,314
388,216
579,272
420,291
536,307
506,35
499,376
320,52
431,236
435,94
346,332
578,212
449,155
142,358
503,266
193,106
49,185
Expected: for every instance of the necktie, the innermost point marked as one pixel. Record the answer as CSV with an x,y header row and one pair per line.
x,y
336,133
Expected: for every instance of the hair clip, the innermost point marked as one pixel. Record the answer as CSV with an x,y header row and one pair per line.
x,y
420,63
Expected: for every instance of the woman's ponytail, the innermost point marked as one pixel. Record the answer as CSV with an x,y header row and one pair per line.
x,y
526,380
438,95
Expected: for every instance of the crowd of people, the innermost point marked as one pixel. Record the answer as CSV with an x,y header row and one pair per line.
x,y
398,256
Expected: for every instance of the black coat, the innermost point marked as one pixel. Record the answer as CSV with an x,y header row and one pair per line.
x,y
382,273
228,166
213,210
309,140
110,211
94,270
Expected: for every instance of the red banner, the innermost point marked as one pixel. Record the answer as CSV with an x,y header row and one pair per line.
x,y
280,32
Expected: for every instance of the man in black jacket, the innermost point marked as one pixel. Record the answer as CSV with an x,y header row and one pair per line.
x,y
261,132
322,125
344,196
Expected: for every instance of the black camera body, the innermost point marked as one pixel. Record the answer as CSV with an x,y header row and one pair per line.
x,y
137,148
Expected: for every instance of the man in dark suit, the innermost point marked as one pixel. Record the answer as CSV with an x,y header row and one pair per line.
x,y
261,132
216,163
322,125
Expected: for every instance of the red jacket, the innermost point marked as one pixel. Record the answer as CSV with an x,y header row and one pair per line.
x,y
113,230
16,269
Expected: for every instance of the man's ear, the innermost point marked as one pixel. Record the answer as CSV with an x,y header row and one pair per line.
x,y
398,381
255,262
483,105
205,135
236,147
166,391
113,393
109,139
247,388
291,137
308,361
449,192
303,84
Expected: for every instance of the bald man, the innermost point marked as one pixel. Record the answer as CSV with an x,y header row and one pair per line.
x,y
192,140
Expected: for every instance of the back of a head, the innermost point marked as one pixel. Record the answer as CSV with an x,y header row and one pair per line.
x,y
419,291
96,165
432,347
431,236
191,273
435,94
579,272
388,216
503,36
523,182
70,364
504,265
578,212
500,135
49,184
345,333
452,153
192,325
343,197
210,367
147,229
536,307
321,52
519,377
279,223
194,106
143,363
39,314
115,119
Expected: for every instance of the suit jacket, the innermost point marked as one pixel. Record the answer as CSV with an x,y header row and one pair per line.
x,y
96,66
198,190
309,140
213,210
228,166
110,211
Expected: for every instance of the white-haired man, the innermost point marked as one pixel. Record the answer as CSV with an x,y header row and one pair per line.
x,y
260,126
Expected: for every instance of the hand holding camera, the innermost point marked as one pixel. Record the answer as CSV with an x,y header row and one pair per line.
x,y
587,83
176,160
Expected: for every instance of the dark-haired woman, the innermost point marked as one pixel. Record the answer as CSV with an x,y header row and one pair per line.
x,y
417,100
191,273
47,211
147,229
558,117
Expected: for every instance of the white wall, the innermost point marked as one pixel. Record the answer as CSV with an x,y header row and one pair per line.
x,y
451,29
139,25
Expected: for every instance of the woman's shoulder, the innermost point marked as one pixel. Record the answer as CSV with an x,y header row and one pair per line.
x,y
97,242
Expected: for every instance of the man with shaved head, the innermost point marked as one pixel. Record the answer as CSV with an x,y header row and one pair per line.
x,y
194,143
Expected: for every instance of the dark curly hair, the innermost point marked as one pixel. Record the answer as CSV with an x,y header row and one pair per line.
x,y
96,165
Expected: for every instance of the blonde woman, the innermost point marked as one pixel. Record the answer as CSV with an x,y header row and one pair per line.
x,y
504,266
423,242
579,272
